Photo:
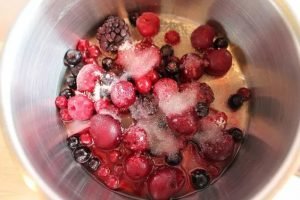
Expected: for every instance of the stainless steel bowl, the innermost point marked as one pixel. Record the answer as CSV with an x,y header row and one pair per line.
x,y
32,72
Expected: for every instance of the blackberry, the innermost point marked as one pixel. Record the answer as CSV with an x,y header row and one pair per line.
x,y
112,33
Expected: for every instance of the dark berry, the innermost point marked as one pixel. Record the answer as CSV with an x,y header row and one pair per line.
x,y
236,133
245,92
112,33
172,67
172,37
73,142
174,159
82,154
202,37
202,109
93,164
107,63
72,58
75,70
220,61
133,17
200,179
235,101
167,51
71,81
67,93
220,43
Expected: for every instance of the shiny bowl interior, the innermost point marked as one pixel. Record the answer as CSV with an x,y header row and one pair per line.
x,y
32,71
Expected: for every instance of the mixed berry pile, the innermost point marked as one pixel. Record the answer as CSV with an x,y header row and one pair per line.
x,y
139,118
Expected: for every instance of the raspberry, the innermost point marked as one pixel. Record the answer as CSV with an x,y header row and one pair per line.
x,y
185,123
220,61
202,37
143,85
93,51
87,77
148,24
138,166
82,45
80,107
135,138
123,94
112,33
164,88
64,115
165,183
172,37
61,102
191,66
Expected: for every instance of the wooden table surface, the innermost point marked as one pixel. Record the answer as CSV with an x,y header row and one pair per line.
x,y
14,183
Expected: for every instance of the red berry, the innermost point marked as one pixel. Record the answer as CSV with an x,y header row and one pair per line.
x,y
114,156
64,115
86,139
172,37
214,117
80,107
135,138
90,61
138,166
206,93
164,88
112,182
165,183
202,37
93,51
220,61
143,85
61,102
103,171
154,76
106,131
87,77
123,94
219,149
245,92
184,123
148,24
191,66
82,45
102,104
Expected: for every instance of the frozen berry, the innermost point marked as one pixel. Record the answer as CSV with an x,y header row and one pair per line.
x,y
202,37
199,179
191,66
143,85
214,118
245,92
138,166
71,81
114,156
87,77
123,94
220,61
135,138
202,109
164,88
132,16
112,182
103,171
221,43
153,75
148,24
61,102
167,51
174,159
207,93
86,139
237,134
235,101
184,123
165,182
67,93
83,45
73,142
106,131
93,164
72,58
112,33
218,149
80,107
172,37
93,51
107,63
82,154
64,115
102,104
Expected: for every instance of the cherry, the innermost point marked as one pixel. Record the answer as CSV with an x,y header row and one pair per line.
x,y
138,166
87,77
148,24
123,94
220,61
184,123
202,37
191,66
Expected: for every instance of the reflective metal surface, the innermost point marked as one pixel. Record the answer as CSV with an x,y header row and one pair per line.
x,y
32,71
